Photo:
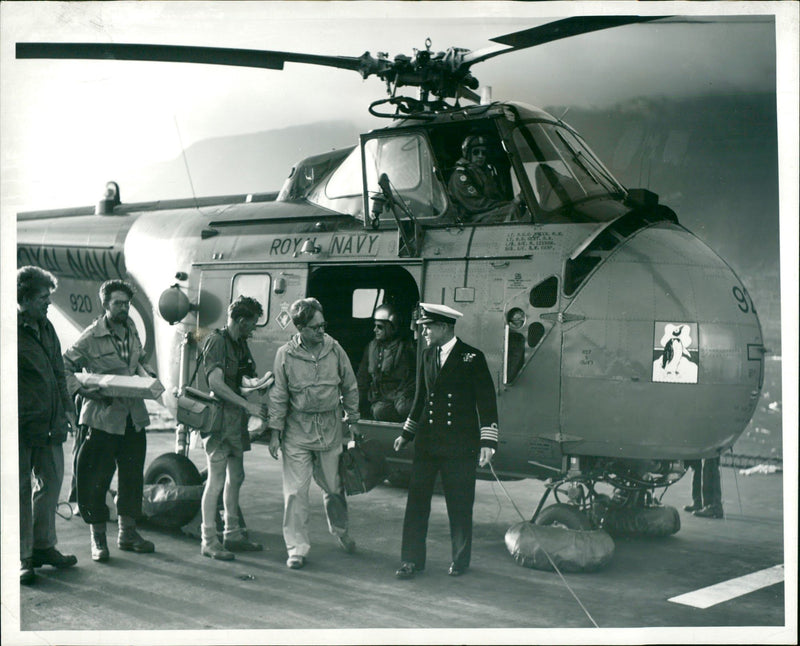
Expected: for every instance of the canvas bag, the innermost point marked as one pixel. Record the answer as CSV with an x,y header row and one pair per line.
x,y
362,466
199,410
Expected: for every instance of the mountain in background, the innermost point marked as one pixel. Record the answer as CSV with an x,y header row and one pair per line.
x,y
253,163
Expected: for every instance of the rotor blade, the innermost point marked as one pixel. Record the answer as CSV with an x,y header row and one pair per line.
x,y
181,54
552,31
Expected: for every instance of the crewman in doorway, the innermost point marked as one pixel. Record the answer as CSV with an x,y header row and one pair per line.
x,y
386,374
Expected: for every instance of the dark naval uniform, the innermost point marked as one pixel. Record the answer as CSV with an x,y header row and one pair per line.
x,y
453,415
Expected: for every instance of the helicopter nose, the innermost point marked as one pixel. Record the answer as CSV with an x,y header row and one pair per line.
x,y
659,283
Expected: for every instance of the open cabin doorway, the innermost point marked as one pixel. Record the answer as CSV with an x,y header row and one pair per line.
x,y
350,294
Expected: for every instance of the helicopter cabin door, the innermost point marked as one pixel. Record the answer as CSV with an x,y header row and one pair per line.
x,y
275,286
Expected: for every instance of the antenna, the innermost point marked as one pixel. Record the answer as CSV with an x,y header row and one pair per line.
x,y
185,161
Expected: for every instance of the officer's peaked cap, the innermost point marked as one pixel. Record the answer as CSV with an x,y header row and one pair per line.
x,y
432,313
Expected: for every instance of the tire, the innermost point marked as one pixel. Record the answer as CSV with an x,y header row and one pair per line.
x,y
174,470
649,522
563,515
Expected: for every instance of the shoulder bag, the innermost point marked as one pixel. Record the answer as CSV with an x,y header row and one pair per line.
x,y
199,410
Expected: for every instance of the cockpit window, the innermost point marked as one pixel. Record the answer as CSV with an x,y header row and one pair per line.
x,y
560,167
407,162
346,181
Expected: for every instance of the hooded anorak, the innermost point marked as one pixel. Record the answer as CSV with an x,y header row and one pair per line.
x,y
310,393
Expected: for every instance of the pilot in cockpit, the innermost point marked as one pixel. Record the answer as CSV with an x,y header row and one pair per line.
x,y
476,186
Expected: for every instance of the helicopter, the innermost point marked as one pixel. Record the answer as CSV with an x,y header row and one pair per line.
x,y
581,292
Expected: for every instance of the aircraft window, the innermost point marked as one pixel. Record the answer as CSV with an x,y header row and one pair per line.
x,y
515,318
255,286
559,166
514,354
365,301
346,181
545,294
408,163
535,334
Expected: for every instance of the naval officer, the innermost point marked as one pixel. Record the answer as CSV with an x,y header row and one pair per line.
x,y
454,421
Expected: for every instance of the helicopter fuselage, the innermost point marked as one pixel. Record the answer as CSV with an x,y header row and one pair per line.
x,y
610,330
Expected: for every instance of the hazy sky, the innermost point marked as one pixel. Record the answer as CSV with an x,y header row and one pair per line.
x,y
68,126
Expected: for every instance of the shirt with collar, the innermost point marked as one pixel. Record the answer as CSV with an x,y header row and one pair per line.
x,y
445,350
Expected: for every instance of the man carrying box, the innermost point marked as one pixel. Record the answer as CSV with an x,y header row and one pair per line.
x,y
116,439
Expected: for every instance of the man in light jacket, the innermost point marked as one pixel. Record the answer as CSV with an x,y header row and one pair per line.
x,y
116,439
313,380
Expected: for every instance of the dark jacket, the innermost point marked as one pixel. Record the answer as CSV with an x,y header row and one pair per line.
x,y
386,371
41,384
476,189
457,413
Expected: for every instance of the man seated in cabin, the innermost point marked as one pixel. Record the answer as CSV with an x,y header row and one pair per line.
x,y
386,375
476,186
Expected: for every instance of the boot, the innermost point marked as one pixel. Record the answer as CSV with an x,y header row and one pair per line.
x,y
234,538
695,506
27,575
98,542
129,540
710,511
211,547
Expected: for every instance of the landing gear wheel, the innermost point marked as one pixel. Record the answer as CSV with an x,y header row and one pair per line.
x,y
652,522
174,470
564,516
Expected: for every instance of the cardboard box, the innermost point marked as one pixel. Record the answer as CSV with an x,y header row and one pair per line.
x,y
122,385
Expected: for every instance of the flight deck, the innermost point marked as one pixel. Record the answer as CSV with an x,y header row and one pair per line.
x,y
650,583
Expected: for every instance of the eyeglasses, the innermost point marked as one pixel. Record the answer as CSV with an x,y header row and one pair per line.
x,y
317,327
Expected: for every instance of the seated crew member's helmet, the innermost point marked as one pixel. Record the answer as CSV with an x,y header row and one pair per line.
x,y
386,312
470,141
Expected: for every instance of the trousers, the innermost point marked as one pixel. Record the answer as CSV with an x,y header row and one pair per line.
x,y
41,470
101,454
706,482
458,482
299,465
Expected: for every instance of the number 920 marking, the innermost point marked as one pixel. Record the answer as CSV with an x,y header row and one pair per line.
x,y
80,302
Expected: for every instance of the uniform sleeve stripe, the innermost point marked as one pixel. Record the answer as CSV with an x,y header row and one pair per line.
x,y
410,427
489,433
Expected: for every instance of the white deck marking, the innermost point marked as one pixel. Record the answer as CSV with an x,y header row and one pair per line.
x,y
719,592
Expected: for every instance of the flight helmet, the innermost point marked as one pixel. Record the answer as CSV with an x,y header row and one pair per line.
x,y
386,312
